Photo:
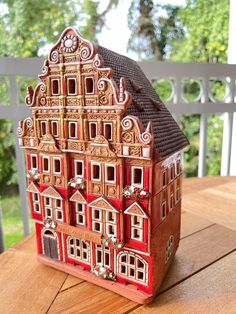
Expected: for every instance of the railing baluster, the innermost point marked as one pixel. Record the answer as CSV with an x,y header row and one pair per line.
x,y
2,245
20,160
203,131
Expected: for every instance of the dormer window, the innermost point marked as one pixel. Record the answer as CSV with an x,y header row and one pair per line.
x,y
71,86
73,130
55,86
54,128
89,85
43,127
92,130
107,131
34,162
137,177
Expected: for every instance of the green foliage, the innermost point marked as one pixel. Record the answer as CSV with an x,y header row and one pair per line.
x,y
206,31
153,27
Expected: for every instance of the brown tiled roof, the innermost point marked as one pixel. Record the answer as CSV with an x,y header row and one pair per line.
x,y
146,103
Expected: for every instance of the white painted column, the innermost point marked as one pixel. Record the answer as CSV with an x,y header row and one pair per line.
x,y
232,60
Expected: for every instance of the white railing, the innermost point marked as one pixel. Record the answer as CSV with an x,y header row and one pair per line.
x,y
175,73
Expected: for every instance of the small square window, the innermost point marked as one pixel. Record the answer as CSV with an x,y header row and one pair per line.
x,y
137,177
89,85
55,87
110,173
96,172
46,164
71,86
34,162
107,131
79,168
43,126
54,128
73,130
92,130
57,166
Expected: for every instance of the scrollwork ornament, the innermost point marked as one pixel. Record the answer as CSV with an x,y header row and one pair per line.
x,y
146,138
54,56
102,85
85,53
127,123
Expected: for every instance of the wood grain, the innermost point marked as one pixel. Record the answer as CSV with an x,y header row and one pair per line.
x,y
26,286
70,282
213,198
209,291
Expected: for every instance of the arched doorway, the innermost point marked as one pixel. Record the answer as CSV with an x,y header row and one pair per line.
x,y
50,245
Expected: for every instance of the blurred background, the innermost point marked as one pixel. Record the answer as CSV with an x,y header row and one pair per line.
x,y
145,30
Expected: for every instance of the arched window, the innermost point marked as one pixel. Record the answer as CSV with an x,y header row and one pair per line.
x,y
78,249
132,266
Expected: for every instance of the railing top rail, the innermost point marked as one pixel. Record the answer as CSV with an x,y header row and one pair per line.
x,y
32,67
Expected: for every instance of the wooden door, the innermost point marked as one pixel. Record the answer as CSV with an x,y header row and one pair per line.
x,y
50,245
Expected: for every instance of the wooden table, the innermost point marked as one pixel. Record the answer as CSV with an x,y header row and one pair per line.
x,y
202,278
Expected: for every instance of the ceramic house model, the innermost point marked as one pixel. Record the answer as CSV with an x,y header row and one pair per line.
x,y
104,162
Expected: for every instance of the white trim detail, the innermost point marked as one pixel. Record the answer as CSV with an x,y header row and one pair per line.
x,y
76,246
137,185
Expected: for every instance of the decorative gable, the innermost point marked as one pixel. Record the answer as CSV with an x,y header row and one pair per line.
x,y
48,144
103,203
136,209
33,188
78,197
51,192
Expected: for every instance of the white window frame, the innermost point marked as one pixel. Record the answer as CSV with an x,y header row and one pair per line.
x,y
41,127
48,207
77,245
132,177
76,130
178,167
166,180
171,198
163,203
136,227
48,158
54,170
31,162
100,170
36,202
103,251
172,167
85,84
97,220
134,266
57,128
106,173
58,209
59,89
79,213
111,223
104,128
67,86
90,123
75,167
178,196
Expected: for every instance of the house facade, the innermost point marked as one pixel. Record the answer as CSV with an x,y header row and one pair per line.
x,y
104,195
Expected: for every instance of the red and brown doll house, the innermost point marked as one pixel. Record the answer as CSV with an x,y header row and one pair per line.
x,y
104,169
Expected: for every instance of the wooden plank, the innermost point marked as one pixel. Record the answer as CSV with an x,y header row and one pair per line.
x,y
26,285
71,281
88,298
209,291
216,199
191,223
195,253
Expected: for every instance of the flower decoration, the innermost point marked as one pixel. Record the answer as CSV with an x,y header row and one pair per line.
x,y
33,175
101,271
69,43
107,240
131,191
49,223
77,183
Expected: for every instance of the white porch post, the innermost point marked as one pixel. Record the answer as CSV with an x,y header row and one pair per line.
x,y
228,163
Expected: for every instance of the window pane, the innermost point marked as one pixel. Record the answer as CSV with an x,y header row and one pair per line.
x,y
96,172
137,176
110,173
78,168
93,130
55,87
89,85
57,165
34,162
73,129
108,131
54,127
71,86
43,127
45,164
